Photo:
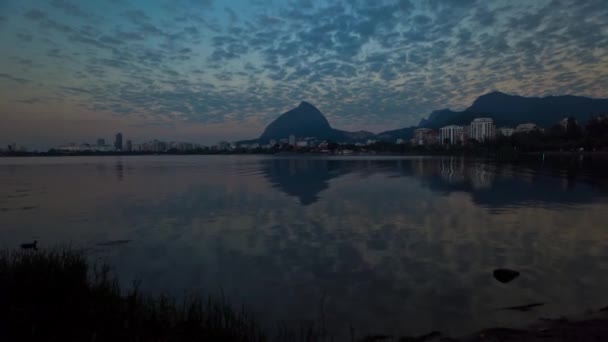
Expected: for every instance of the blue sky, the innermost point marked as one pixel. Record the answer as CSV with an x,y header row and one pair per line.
x,y
205,70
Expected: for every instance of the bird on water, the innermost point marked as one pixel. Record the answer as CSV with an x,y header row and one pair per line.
x,y
33,245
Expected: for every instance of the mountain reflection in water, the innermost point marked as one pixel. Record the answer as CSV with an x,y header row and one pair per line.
x,y
397,245
490,184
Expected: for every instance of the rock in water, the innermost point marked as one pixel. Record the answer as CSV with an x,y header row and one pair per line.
x,y
504,275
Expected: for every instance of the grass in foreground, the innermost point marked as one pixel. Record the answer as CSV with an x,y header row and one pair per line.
x,y
56,296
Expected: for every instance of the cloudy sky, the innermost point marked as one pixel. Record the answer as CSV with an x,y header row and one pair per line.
x,y
205,70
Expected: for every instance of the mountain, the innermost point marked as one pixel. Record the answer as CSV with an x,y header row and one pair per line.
x,y
436,114
307,121
512,110
439,118
403,133
303,121
506,110
357,136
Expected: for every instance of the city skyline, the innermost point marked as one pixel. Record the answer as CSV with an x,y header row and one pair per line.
x,y
204,71
480,129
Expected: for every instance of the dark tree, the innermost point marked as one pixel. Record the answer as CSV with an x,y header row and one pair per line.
x,y
598,127
528,141
557,131
573,130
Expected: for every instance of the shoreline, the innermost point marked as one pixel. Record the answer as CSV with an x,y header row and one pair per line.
x,y
59,295
590,326
473,154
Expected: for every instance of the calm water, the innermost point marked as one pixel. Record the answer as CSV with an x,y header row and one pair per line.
x,y
392,245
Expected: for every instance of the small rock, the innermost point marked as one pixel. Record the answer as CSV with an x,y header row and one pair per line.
x,y
505,275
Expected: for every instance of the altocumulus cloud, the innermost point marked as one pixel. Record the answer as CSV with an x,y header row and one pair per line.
x,y
385,62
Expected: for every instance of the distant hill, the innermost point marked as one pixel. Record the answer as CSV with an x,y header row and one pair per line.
x,y
403,133
303,121
512,110
307,121
444,114
357,136
506,110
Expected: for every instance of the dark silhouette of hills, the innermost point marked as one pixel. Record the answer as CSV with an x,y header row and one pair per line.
x,y
438,114
402,133
357,136
307,121
303,121
444,117
512,110
506,110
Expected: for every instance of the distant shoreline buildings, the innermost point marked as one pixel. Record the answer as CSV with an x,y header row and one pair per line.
x,y
153,146
479,130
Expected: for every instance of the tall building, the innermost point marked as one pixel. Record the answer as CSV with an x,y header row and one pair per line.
x,y
118,142
425,136
129,146
101,142
482,129
292,140
451,135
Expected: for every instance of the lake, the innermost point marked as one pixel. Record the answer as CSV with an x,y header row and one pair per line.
x,y
398,245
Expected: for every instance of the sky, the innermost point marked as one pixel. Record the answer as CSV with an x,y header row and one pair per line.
x,y
210,70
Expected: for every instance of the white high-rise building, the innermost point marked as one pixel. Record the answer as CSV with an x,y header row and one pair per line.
x,y
292,140
482,129
451,135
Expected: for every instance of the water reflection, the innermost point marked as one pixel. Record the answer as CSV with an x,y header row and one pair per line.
x,y
118,166
302,177
497,185
394,245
